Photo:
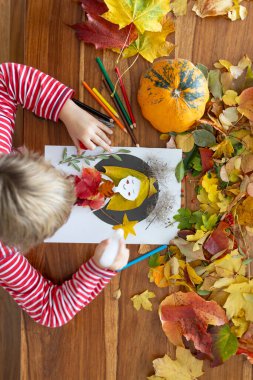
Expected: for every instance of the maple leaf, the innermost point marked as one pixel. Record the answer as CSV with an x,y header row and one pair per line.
x,y
151,45
144,16
218,240
188,315
179,7
87,189
127,226
240,299
245,101
142,300
100,32
106,188
183,218
185,367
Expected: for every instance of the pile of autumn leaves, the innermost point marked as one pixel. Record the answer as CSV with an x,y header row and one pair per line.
x,y
141,28
213,317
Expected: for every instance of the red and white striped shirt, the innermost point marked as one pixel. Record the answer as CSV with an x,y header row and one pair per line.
x,y
48,304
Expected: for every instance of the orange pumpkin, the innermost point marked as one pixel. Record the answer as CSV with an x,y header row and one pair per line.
x,y
173,95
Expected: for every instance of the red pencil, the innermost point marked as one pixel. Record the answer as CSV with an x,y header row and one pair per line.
x,y
124,93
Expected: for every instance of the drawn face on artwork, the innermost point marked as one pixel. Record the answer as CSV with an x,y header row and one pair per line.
x,y
129,188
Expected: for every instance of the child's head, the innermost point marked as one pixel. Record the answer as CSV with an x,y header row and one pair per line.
x,y
35,199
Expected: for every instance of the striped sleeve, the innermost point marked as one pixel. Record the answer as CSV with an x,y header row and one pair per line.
x,y
33,90
48,304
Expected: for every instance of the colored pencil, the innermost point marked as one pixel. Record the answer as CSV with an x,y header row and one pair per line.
x,y
104,106
108,80
100,96
129,130
92,110
124,93
143,257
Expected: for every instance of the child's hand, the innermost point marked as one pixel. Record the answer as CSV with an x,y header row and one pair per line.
x,y
84,127
120,260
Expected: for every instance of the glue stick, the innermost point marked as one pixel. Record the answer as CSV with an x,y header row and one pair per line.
x,y
112,249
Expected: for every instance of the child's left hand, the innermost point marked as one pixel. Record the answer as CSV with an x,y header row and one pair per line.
x,y
85,128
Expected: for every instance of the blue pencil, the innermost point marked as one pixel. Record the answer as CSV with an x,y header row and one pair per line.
x,y
143,257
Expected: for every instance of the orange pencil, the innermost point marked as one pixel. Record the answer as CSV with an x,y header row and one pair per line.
x,y
104,106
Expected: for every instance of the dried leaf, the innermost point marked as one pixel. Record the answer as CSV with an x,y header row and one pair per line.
x,y
206,159
143,16
185,142
101,33
185,367
218,241
186,248
214,83
188,315
245,101
240,299
229,98
179,7
152,45
142,300
106,188
224,344
225,148
144,248
206,8
117,294
244,212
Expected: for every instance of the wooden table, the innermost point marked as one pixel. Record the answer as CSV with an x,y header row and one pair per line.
x,y
108,340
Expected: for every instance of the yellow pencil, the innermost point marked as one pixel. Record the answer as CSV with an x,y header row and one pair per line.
x,y
105,102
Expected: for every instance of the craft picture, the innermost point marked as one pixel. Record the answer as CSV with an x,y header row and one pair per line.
x,y
134,189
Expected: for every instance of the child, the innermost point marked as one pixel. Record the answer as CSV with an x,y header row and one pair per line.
x,y
36,199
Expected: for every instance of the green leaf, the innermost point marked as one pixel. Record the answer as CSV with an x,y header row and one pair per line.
x,y
183,216
87,161
64,154
118,158
209,222
203,69
224,345
207,127
154,260
75,166
203,292
196,219
103,157
204,138
247,261
196,164
214,83
123,151
179,172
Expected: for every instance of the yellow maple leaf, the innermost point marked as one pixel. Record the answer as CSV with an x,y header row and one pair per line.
x,y
198,235
127,226
240,326
142,300
225,148
179,7
144,16
229,98
151,45
240,299
185,367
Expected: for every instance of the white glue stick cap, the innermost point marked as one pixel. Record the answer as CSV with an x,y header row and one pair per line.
x,y
111,250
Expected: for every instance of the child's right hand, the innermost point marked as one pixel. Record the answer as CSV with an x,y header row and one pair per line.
x,y
120,260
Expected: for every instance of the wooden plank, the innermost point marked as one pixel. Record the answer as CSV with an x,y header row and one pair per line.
x,y
12,49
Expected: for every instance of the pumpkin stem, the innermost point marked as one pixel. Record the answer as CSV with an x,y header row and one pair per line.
x,y
176,93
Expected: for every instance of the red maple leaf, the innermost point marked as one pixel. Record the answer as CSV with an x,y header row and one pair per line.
x,y
219,239
188,315
87,189
100,32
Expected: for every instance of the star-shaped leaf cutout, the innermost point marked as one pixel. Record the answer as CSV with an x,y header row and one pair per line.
x,y
127,226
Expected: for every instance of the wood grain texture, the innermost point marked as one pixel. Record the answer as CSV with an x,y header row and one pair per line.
x,y
108,340
11,49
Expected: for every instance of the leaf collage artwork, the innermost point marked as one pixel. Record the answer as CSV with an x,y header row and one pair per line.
x,y
133,189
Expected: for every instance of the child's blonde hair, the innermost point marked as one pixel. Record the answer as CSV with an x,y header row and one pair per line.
x,y
35,199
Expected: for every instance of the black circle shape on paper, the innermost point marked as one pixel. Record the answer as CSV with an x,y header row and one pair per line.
x,y
140,213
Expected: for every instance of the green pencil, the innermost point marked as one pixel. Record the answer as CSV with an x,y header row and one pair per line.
x,y
116,96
